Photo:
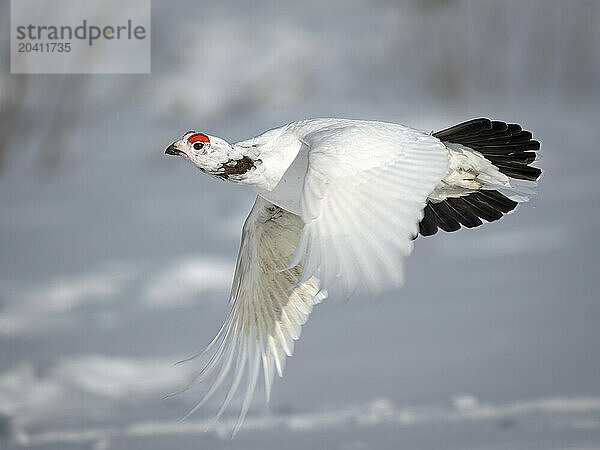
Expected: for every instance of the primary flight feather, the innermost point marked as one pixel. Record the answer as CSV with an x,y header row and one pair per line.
x,y
343,200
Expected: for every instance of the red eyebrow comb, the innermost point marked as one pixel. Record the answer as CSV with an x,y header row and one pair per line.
x,y
198,137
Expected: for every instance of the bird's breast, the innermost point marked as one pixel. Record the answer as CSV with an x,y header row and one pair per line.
x,y
288,191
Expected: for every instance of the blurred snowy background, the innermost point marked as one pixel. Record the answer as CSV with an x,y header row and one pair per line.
x,y
116,261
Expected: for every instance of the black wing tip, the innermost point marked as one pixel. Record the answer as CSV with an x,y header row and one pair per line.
x,y
469,211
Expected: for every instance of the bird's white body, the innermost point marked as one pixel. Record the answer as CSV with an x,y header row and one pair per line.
x,y
340,202
285,152
284,156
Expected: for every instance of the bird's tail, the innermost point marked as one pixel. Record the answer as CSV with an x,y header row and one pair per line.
x,y
511,150
507,146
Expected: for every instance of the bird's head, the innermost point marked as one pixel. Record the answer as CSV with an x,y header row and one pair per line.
x,y
211,154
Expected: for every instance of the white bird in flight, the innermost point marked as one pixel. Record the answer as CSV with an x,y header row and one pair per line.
x,y
343,200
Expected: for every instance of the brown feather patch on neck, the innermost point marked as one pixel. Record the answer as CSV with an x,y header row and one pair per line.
x,y
236,167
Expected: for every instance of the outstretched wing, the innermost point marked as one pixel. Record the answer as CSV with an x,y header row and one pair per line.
x,y
269,306
363,197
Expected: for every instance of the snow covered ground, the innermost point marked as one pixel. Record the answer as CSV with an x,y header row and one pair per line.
x,y
116,261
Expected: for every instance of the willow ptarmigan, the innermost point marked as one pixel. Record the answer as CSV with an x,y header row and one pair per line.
x,y
341,201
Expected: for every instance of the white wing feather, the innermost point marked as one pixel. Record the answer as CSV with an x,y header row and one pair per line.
x,y
269,307
362,200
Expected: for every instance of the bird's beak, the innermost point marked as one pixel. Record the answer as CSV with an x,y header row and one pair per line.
x,y
172,150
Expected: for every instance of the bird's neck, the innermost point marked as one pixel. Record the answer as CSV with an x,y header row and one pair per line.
x,y
242,161
270,155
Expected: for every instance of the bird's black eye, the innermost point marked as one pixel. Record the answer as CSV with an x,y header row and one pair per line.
x,y
198,145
